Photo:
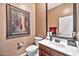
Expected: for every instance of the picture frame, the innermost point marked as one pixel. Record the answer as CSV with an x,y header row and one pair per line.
x,y
17,22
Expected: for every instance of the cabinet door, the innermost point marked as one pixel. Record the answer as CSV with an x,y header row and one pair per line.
x,y
39,52
44,53
52,52
44,48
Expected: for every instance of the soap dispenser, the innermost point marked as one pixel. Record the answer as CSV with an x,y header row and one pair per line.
x,y
47,37
50,36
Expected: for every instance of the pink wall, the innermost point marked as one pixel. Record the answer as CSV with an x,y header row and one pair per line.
x,y
9,47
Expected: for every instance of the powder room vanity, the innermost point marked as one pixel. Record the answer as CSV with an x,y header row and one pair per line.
x,y
51,48
46,51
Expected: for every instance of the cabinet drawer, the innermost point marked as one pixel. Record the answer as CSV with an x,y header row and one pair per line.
x,y
44,48
56,53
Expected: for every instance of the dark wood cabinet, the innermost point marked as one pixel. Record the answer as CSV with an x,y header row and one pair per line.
x,y
44,48
40,52
46,51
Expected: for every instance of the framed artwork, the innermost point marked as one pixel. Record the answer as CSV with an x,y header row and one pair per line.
x,y
17,22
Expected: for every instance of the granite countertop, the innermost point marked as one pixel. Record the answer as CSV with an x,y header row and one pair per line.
x,y
61,47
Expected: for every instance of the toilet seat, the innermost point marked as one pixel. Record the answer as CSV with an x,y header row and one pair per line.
x,y
31,49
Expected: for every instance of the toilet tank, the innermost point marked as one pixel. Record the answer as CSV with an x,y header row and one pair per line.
x,y
37,39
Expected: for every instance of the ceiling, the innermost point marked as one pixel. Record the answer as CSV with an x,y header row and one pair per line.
x,y
53,5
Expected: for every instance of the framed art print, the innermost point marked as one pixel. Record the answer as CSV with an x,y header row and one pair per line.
x,y
17,22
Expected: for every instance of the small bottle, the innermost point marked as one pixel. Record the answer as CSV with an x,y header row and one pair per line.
x,y
50,36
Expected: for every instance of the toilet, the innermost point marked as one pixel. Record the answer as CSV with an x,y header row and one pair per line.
x,y
32,50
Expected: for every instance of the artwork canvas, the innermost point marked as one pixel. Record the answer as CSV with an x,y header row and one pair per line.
x,y
18,22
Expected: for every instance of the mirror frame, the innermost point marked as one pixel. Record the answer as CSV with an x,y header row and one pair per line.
x,y
74,18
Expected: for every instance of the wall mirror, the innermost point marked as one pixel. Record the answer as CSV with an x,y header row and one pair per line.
x,y
61,19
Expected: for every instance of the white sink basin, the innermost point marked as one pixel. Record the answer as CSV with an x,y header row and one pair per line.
x,y
58,45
